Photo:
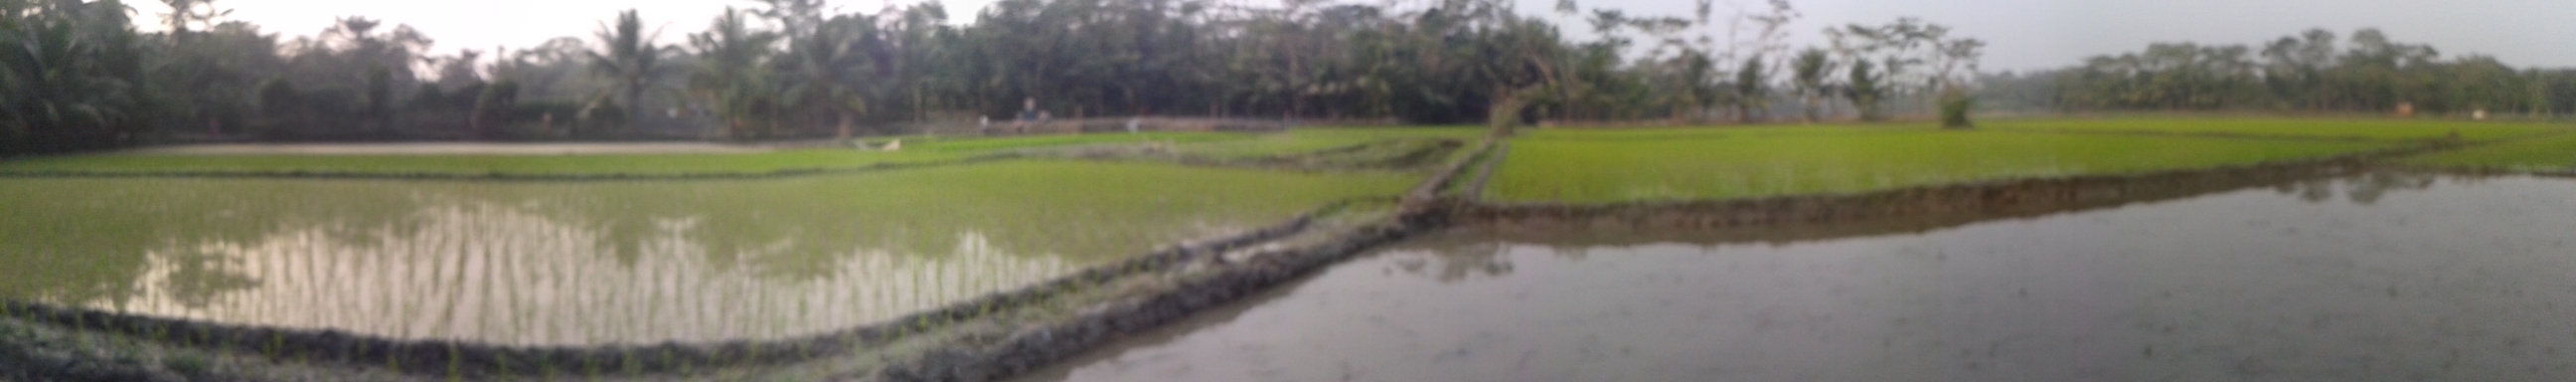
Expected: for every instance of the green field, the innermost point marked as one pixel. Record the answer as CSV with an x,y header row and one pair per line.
x,y
1635,165
982,145
915,150
1305,140
479,165
1721,132
1570,165
2372,129
2545,154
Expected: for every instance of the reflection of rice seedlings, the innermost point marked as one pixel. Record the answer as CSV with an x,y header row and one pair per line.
x,y
497,274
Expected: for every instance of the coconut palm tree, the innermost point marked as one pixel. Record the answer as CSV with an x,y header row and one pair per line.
x,y
628,56
731,78
823,67
67,78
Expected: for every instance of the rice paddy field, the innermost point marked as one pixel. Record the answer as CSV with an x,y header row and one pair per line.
x,y
2363,129
534,263
2555,153
1306,140
1602,166
1588,167
766,243
2379,277
915,150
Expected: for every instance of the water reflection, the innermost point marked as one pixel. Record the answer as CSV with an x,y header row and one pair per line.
x,y
500,274
2364,189
2423,279
1459,262
604,262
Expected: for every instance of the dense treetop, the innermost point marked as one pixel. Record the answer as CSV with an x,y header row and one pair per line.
x,y
80,75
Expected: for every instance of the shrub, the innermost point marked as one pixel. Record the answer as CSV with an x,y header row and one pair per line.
x,y
1954,109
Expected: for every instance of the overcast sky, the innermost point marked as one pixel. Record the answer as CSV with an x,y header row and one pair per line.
x,y
2020,34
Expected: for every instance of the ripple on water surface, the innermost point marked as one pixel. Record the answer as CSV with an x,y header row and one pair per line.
x,y
2377,277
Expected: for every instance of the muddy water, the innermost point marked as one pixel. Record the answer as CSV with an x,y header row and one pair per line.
x,y
607,262
2368,278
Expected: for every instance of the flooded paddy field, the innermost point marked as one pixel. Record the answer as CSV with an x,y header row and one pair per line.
x,y
580,263
2367,277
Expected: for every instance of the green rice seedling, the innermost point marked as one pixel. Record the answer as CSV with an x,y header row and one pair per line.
x,y
455,363
1019,210
275,349
1577,167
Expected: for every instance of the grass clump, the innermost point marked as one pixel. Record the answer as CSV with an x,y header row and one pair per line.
x,y
1570,166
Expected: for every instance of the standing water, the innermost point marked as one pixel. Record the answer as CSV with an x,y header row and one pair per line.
x,y
573,263
2376,277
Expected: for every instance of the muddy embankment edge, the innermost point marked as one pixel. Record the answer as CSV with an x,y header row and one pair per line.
x,y
1208,283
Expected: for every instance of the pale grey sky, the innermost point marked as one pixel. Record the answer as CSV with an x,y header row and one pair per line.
x,y
2020,34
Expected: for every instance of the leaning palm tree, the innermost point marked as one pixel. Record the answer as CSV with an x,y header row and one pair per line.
x,y
630,58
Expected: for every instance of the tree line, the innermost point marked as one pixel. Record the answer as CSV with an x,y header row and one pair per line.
x,y
80,75
2312,71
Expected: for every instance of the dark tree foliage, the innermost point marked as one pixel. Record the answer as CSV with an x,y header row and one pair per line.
x,y
2313,71
80,76
70,77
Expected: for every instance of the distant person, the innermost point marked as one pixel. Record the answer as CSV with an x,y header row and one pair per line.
x,y
1131,124
1028,114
